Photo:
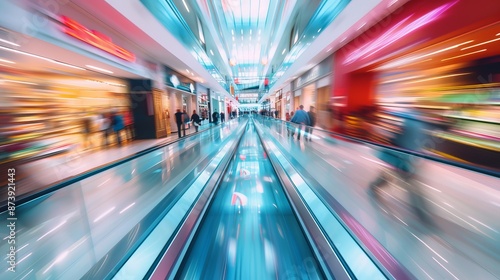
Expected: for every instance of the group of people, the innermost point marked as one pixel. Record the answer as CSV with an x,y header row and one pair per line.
x,y
302,118
216,115
105,126
183,121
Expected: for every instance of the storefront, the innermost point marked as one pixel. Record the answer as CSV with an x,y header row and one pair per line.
x,y
182,95
60,85
424,61
313,89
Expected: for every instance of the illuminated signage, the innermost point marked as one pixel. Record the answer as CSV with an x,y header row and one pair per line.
x,y
94,38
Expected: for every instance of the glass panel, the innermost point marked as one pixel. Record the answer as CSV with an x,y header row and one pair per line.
x,y
436,220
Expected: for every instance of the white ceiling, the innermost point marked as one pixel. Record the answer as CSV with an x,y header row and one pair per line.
x,y
148,37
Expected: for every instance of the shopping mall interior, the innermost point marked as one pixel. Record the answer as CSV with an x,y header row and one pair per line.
x,y
250,139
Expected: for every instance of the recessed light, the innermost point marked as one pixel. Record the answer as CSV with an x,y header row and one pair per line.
x,y
19,82
66,64
9,42
7,61
99,69
186,6
361,26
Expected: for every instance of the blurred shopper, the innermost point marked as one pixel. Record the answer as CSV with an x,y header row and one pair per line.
x,y
288,118
87,131
312,122
301,118
117,125
186,121
195,119
215,117
179,121
104,125
222,117
405,166
129,125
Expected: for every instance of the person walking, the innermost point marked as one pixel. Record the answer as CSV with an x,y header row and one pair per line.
x,y
222,117
215,117
312,119
301,118
117,126
178,120
401,165
195,119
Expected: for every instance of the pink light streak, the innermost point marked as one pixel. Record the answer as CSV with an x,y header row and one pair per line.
x,y
394,33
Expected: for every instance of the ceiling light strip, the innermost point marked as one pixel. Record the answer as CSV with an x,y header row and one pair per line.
x,y
453,57
185,5
99,69
9,42
480,44
437,78
19,82
7,61
40,57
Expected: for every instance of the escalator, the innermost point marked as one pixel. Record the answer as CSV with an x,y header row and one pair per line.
x,y
246,201
250,230
87,227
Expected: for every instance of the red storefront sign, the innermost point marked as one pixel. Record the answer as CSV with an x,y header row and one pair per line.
x,y
94,38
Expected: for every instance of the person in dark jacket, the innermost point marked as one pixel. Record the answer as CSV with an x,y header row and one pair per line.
x,y
312,122
301,118
117,124
215,117
179,122
195,119
401,165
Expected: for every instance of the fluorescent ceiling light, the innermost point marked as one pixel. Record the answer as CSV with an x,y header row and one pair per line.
x,y
185,5
480,44
361,26
9,42
187,70
401,79
319,30
4,65
19,82
392,3
211,52
329,49
437,78
40,57
7,61
66,64
453,57
283,52
405,61
99,69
